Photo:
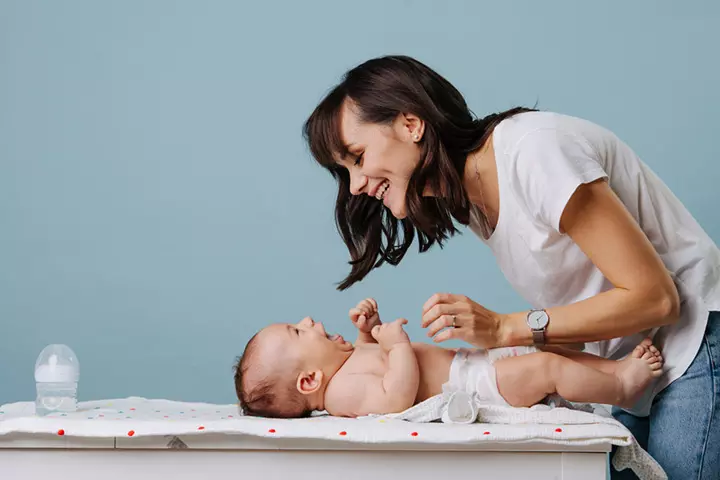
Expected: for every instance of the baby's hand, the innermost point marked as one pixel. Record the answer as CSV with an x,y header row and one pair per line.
x,y
390,334
365,315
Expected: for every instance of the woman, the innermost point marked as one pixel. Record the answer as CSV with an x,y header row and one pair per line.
x,y
581,228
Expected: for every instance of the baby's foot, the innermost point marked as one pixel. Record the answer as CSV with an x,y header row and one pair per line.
x,y
637,370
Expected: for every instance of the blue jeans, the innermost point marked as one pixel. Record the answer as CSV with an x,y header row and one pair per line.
x,y
682,432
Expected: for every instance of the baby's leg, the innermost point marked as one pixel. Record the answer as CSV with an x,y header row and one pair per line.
x,y
525,380
600,363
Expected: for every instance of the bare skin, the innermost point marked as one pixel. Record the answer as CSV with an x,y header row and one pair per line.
x,y
522,381
578,377
352,392
383,372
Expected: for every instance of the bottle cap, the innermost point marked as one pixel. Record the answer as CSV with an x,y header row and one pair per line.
x,y
57,364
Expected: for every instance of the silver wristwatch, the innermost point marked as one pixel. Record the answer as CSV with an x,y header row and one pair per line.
x,y
538,321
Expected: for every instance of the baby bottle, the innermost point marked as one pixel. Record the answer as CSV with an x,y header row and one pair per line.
x,y
57,371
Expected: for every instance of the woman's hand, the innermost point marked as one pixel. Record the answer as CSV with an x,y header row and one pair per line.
x,y
464,319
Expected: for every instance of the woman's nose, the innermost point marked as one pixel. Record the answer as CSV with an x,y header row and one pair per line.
x,y
358,182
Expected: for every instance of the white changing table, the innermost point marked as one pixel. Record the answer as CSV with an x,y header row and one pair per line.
x,y
24,457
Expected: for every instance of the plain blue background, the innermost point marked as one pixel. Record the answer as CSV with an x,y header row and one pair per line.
x,y
158,204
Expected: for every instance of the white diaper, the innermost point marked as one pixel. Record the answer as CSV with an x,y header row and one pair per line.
x,y
472,371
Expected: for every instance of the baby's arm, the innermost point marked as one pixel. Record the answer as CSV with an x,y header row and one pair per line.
x,y
398,387
365,316
395,391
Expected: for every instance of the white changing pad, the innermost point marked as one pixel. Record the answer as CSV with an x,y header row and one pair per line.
x,y
140,417
136,417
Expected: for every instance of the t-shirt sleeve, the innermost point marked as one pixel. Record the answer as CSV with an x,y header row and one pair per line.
x,y
546,168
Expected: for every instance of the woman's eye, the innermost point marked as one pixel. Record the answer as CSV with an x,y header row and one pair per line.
x,y
358,159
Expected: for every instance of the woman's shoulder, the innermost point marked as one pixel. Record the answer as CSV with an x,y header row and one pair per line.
x,y
546,126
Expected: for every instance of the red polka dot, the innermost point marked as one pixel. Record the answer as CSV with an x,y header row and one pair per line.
x,y
165,416
61,432
414,434
343,433
230,416
272,430
101,415
558,430
201,427
486,433
132,409
131,433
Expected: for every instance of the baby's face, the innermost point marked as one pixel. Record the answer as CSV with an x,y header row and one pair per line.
x,y
307,341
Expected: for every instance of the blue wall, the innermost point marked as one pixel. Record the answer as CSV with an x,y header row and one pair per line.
x,y
158,205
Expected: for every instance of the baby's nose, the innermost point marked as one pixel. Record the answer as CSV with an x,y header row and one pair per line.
x,y
307,321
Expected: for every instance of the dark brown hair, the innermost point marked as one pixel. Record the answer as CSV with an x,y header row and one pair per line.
x,y
269,395
381,89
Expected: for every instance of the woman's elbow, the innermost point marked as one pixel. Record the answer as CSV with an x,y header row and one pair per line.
x,y
668,305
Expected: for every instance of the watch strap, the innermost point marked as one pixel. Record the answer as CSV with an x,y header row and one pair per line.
x,y
538,337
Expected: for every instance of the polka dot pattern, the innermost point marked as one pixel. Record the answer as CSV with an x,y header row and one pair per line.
x,y
147,418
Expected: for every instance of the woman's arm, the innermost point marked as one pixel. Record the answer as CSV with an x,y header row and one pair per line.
x,y
644,296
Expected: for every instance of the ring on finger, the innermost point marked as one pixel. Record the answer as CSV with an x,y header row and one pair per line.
x,y
454,317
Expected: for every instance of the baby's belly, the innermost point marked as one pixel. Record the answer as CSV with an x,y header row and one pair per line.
x,y
434,363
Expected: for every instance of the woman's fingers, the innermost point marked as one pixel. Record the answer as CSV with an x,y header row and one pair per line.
x,y
448,334
441,309
436,312
444,321
439,298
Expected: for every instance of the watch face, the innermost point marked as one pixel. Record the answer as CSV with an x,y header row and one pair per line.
x,y
537,319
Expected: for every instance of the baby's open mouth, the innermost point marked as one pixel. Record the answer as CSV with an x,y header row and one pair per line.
x,y
335,338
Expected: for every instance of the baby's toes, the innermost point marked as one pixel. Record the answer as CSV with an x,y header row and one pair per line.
x,y
656,368
638,351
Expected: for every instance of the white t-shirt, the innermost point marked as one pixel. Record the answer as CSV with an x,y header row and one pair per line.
x,y
542,158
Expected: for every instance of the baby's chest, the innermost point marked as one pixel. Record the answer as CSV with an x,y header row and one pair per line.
x,y
367,361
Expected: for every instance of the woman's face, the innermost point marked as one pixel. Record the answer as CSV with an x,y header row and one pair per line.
x,y
381,157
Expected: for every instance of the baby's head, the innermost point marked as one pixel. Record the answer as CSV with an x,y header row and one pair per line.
x,y
285,369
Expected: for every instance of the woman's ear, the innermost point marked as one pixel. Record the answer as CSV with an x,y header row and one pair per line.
x,y
309,382
412,127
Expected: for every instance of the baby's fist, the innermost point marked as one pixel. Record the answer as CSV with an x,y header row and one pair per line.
x,y
390,334
365,315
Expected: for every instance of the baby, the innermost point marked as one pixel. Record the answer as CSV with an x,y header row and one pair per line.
x,y
288,371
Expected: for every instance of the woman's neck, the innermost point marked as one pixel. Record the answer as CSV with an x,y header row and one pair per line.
x,y
481,181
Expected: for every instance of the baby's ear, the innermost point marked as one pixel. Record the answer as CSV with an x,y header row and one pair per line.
x,y
309,382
